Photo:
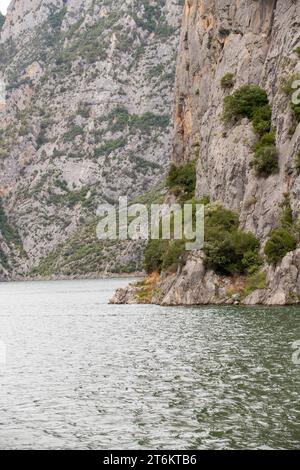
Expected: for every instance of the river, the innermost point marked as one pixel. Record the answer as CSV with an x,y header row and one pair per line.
x,y
82,374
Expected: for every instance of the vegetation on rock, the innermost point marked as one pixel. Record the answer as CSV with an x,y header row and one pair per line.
x,y
228,81
283,239
255,281
265,161
181,181
229,250
252,102
244,102
280,243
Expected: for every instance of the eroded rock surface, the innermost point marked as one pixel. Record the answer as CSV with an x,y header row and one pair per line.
x,y
255,41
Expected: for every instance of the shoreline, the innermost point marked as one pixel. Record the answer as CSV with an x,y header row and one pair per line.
x,y
74,277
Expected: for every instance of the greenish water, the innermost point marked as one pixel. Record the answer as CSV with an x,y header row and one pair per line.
x,y
82,374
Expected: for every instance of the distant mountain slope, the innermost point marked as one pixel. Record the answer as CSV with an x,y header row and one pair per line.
x,y
87,116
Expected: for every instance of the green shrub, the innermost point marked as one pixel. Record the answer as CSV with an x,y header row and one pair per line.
x,y
70,135
205,200
219,220
181,180
56,18
265,161
256,281
3,257
252,102
296,110
174,254
244,102
227,81
41,139
229,250
234,252
280,243
109,146
9,233
153,256
262,120
286,219
286,83
148,121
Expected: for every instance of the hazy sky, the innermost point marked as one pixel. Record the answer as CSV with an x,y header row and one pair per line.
x,y
3,6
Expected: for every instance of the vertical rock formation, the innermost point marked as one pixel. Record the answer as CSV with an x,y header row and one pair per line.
x,y
255,41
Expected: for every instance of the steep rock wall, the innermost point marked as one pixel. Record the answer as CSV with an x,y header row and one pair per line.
x,y
254,40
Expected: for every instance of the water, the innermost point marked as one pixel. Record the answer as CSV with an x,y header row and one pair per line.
x,y
81,374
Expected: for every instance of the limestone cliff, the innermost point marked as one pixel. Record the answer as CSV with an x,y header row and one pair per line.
x,y
256,42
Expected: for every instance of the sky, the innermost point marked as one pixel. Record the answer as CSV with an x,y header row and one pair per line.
x,y
3,6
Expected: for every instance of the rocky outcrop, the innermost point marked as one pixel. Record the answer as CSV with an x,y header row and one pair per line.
x,y
194,285
87,112
126,295
255,41
283,283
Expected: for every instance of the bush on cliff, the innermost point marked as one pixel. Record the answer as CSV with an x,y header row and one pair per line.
x,y
244,102
265,161
227,81
181,181
262,120
228,250
235,253
154,255
280,243
252,102
174,255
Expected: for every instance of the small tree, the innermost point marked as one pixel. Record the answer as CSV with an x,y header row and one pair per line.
x,y
227,81
280,243
244,102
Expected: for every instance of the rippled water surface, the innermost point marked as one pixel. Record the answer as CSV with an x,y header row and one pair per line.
x,y
81,374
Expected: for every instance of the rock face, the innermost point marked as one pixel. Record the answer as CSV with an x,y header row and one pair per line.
x,y
192,285
255,41
87,112
283,283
